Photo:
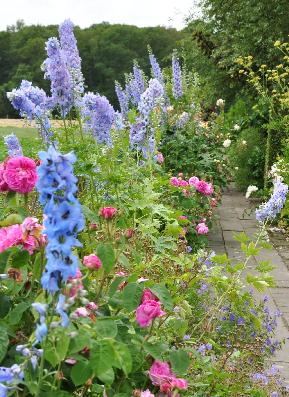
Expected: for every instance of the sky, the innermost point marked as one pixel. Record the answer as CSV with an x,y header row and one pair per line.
x,y
86,12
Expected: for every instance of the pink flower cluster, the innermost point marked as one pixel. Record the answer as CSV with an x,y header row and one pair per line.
x,y
202,228
201,186
161,375
18,174
28,235
149,309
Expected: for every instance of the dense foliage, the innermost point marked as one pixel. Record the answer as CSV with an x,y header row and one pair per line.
x,y
106,286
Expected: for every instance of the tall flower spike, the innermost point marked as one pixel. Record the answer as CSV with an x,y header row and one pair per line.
x,y
57,188
32,102
122,99
156,69
275,204
13,146
139,78
98,116
177,77
69,46
57,72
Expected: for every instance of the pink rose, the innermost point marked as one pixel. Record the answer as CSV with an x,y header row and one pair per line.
x,y
175,181
20,174
76,280
147,311
129,233
183,218
3,185
81,312
202,228
92,262
193,181
160,158
147,295
108,212
204,188
10,236
183,183
161,375
146,393
92,306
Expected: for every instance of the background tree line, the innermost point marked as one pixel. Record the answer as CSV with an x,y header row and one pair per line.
x,y
107,52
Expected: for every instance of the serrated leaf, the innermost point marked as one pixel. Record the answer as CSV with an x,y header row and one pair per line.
x,y
107,256
122,357
241,237
4,343
132,296
156,350
15,315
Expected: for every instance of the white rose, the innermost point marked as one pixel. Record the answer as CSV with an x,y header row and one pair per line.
x,y
250,190
236,127
220,102
227,143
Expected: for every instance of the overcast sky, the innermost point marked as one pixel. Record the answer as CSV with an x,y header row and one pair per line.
x,y
86,12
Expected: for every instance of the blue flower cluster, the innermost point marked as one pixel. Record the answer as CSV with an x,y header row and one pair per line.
x,y
156,69
141,132
122,99
182,120
63,217
275,204
135,85
41,329
177,77
13,146
9,375
32,102
99,116
69,47
57,72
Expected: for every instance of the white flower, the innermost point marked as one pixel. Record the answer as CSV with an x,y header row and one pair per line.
x,y
220,102
236,127
244,142
250,190
170,108
227,143
236,168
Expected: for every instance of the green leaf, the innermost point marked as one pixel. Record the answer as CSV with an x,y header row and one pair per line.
x,y
101,358
161,291
4,343
57,351
19,259
106,328
79,342
107,377
80,373
180,361
114,285
106,254
132,296
5,305
122,357
241,237
156,350
15,315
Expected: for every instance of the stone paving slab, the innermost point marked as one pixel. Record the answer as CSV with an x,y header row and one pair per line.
x,y
234,218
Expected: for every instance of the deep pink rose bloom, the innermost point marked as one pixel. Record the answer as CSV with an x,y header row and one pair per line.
x,y
183,183
202,228
20,174
161,375
175,181
92,262
147,311
147,295
91,306
193,181
10,236
108,212
3,185
204,188
183,218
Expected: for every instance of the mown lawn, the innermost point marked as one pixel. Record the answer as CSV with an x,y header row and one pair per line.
x,y
28,138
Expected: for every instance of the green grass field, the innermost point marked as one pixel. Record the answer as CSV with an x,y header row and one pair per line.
x,y
28,138
25,132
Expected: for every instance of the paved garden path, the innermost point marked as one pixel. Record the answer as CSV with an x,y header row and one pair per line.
x,y
233,216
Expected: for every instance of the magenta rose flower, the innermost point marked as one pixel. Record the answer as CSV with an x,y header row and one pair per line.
x,y
147,295
20,174
202,228
108,212
175,181
161,375
147,312
3,185
10,236
193,181
205,188
146,393
92,262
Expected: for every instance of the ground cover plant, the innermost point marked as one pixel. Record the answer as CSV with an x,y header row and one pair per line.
x,y
106,285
